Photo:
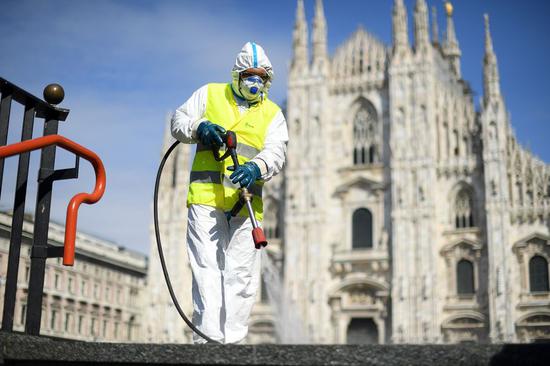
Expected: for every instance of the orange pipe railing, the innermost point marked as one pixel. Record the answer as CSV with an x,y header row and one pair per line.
x,y
72,209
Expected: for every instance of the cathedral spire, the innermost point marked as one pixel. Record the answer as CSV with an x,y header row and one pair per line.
x,y
421,32
319,36
435,28
451,48
491,79
400,33
300,59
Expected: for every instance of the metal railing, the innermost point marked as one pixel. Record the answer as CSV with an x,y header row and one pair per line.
x,y
41,250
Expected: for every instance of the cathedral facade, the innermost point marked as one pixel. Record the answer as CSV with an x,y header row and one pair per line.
x,y
405,214
409,216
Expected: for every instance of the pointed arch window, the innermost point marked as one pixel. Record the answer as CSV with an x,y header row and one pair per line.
x,y
538,274
464,216
465,277
362,229
372,153
365,135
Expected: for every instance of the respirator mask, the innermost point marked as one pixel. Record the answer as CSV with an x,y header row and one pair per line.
x,y
251,86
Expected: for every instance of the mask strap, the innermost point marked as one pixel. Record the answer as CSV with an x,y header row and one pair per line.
x,y
237,94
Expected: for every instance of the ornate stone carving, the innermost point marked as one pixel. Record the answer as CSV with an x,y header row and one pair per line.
x,y
359,296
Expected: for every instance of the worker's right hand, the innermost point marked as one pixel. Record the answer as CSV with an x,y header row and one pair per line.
x,y
209,134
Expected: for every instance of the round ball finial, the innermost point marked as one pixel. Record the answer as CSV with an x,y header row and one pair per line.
x,y
54,94
449,8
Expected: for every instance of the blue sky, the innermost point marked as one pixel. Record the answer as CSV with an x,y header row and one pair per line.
x,y
126,64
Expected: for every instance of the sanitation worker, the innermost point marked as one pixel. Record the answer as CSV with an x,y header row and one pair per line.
x,y
224,261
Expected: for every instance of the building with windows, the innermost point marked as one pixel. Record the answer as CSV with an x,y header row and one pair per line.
x,y
405,214
97,299
409,215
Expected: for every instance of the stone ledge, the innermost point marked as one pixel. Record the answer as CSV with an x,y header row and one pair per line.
x,y
18,349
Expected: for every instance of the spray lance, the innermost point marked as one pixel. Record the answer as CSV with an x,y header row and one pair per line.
x,y
245,198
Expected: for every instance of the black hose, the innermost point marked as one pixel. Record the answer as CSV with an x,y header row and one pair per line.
x,y
161,254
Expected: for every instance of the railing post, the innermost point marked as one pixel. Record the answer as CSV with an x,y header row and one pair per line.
x,y
40,240
5,108
11,278
17,223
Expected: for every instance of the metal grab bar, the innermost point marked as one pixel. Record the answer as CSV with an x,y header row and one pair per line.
x,y
72,209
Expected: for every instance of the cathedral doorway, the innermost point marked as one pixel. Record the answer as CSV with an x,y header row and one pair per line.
x,y
359,311
362,331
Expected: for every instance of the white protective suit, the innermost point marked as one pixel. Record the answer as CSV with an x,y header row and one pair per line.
x,y
224,261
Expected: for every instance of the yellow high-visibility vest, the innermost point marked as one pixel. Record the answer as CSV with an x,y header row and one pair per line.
x,y
209,182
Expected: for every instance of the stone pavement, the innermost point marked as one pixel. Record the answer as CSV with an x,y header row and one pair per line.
x,y
18,349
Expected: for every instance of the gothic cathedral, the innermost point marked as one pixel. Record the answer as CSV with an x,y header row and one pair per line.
x,y
409,216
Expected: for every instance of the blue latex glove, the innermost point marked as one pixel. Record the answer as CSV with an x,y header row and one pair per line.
x,y
209,134
245,174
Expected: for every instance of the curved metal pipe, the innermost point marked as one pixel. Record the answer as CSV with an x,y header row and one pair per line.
x,y
74,204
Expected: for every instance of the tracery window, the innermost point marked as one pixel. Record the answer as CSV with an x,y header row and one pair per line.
x,y
365,135
362,229
538,274
464,209
465,277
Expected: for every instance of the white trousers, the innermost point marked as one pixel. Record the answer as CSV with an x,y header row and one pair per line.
x,y
226,273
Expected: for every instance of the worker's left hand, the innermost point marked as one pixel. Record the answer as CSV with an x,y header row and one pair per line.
x,y
245,174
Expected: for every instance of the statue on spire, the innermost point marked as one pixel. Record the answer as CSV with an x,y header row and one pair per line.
x,y
451,47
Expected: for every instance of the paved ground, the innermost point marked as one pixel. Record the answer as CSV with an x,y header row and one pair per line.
x,y
18,349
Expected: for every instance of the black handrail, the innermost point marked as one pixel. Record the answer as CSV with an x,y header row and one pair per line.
x,y
42,109
41,250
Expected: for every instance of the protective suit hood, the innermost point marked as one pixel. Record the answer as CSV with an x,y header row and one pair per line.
x,y
251,55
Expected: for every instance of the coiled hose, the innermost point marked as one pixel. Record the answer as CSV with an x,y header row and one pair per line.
x,y
161,254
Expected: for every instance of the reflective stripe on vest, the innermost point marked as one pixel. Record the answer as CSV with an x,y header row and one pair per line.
x,y
210,183
214,177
